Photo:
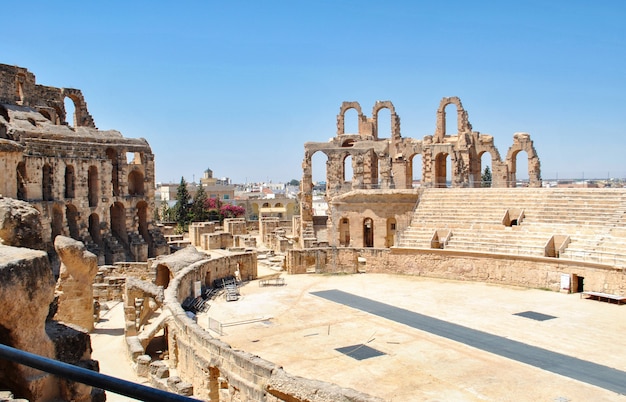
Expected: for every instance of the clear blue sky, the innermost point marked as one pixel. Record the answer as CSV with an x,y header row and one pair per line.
x,y
240,86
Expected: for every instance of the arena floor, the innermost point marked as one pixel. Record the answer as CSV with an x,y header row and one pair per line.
x,y
314,337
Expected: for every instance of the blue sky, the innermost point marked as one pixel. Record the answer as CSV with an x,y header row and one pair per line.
x,y
240,86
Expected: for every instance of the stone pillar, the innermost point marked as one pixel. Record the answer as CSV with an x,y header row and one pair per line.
x,y
75,285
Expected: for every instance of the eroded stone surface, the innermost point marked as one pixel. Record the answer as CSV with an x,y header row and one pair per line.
x,y
20,224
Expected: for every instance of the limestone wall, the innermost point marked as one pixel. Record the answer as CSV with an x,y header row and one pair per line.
x,y
534,272
218,372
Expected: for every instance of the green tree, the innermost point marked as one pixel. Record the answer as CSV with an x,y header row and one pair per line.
x,y
485,178
198,211
294,182
182,213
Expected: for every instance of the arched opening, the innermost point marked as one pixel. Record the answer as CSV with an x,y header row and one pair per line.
x,y
485,171
21,181
142,226
92,184
351,121
70,112
368,232
115,179
56,224
344,232
134,158
451,127
70,180
94,229
383,123
135,183
347,170
118,222
47,182
416,171
391,232
441,170
71,214
162,276
519,169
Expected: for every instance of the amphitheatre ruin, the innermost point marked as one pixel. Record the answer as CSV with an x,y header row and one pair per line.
x,y
446,291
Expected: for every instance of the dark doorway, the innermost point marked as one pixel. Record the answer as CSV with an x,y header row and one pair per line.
x,y
580,281
368,232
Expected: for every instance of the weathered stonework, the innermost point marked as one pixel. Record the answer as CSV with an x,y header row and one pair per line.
x,y
92,185
386,164
75,283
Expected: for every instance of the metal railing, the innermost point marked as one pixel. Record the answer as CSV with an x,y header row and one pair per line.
x,y
89,377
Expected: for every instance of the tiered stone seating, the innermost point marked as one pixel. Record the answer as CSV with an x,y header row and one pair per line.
x,y
593,219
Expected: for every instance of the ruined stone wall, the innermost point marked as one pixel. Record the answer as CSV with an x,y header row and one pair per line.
x,y
218,372
534,272
94,186
388,163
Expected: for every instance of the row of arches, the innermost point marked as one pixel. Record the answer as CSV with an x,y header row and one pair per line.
x,y
135,183
69,222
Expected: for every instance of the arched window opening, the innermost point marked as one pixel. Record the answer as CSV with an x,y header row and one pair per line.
x,y
70,112
319,162
383,122
115,179
344,232
56,224
21,181
70,180
485,171
94,229
368,232
92,184
118,222
519,169
135,183
351,121
451,123
441,170
347,169
47,183
391,232
416,171
71,214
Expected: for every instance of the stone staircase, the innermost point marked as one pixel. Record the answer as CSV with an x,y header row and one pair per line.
x,y
593,221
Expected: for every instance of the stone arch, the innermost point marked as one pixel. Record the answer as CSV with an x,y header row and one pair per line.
x,y
21,181
391,232
118,222
81,117
112,155
463,125
415,164
56,223
70,181
394,118
71,111
71,215
47,182
347,171
135,183
522,142
441,170
94,229
92,186
368,232
476,174
345,106
344,232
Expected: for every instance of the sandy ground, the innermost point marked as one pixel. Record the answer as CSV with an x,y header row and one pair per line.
x,y
301,332
107,342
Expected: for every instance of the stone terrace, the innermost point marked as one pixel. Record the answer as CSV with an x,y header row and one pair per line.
x,y
588,224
